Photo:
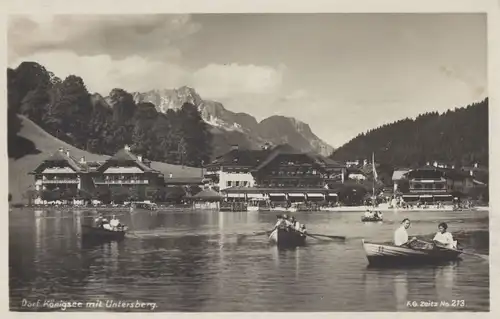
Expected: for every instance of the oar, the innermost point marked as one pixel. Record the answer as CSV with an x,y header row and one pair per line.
x,y
328,236
485,257
240,237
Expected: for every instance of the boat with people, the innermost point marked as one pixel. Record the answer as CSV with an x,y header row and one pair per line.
x,y
288,232
388,254
104,230
372,216
283,237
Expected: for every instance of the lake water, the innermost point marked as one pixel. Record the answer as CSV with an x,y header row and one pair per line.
x,y
193,261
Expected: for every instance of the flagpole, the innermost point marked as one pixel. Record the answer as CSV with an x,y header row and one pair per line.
x,y
373,172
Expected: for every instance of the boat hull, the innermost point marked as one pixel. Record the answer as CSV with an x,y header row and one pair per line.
x,y
371,219
284,238
393,256
101,234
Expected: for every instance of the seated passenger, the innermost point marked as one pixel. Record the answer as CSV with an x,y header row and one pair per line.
x,y
444,238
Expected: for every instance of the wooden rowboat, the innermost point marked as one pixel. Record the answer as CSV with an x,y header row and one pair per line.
x,y
384,254
371,219
102,234
287,238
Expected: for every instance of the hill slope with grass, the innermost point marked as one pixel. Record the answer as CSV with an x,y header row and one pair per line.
x,y
34,145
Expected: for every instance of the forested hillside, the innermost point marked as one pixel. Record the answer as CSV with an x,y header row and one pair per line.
x,y
458,137
65,109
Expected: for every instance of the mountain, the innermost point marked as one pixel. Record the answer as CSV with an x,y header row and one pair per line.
x,y
238,128
458,137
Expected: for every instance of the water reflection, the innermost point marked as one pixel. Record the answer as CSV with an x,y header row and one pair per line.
x,y
191,261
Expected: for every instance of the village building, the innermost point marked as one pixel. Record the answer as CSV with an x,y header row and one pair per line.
x,y
62,178
128,173
279,173
431,184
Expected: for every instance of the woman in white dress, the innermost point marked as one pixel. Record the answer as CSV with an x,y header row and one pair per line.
x,y
444,238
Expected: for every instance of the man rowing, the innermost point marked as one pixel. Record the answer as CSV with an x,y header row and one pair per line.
x,y
401,236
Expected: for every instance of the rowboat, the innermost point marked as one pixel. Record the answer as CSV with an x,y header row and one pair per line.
x,y
371,219
384,254
102,234
287,238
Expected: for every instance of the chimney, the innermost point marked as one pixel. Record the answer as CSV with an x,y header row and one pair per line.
x,y
127,148
82,160
234,147
139,157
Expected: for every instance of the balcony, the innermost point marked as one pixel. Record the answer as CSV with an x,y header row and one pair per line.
x,y
57,181
121,182
427,190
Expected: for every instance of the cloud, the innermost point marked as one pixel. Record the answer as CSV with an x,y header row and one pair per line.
x,y
157,37
217,81
101,73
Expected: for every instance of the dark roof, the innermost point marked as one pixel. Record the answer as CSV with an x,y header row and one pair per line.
x,y
449,172
240,157
184,180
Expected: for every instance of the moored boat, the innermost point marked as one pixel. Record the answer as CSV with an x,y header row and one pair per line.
x,y
102,234
385,254
287,238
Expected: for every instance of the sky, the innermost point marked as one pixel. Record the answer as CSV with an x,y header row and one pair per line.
x,y
342,74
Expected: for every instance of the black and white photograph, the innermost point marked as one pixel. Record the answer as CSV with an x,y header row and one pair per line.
x,y
248,162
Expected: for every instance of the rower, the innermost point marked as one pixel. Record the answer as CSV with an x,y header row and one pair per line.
x,y
368,214
444,238
114,223
280,223
401,236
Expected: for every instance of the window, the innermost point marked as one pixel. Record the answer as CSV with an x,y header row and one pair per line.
x,y
245,183
228,183
237,183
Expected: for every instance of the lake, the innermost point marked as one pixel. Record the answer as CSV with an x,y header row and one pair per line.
x,y
195,261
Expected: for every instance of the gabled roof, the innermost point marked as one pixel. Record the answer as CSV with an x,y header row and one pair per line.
x,y
399,174
237,157
125,155
61,156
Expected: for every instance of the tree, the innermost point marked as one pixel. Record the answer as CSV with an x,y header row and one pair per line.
x,y
196,135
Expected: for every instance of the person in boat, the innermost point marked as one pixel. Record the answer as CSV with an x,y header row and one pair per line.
x,y
288,222
114,223
401,236
99,221
280,223
295,224
368,214
444,238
